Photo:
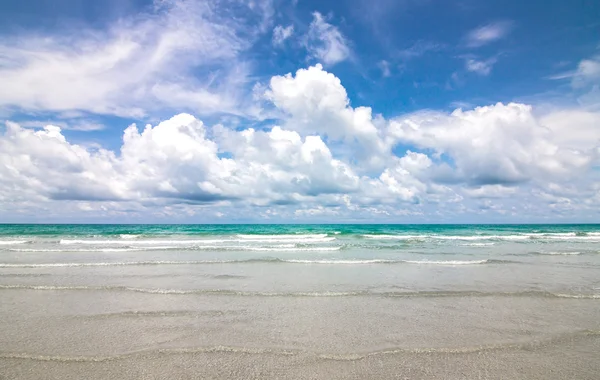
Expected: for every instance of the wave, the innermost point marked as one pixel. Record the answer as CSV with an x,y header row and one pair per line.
x,y
557,253
395,237
250,261
359,293
117,264
275,248
195,242
477,244
344,262
282,236
521,237
446,237
129,236
295,249
453,262
88,250
224,292
11,242
563,234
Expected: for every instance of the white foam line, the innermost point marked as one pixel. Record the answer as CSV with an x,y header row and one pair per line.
x,y
345,262
395,237
579,296
275,248
558,253
110,264
276,237
534,237
448,262
196,242
296,249
91,250
10,242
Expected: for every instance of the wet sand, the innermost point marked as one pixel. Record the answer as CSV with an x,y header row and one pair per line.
x,y
98,334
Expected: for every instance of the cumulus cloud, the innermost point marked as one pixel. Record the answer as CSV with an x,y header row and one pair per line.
x,y
488,33
280,34
325,42
324,158
137,64
316,102
494,145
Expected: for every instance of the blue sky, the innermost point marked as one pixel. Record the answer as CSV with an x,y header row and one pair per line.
x,y
363,128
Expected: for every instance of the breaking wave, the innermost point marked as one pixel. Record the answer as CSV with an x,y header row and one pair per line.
x,y
359,293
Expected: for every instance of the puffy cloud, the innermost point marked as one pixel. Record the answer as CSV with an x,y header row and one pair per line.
x,y
317,103
325,42
488,33
173,160
490,191
280,34
500,144
43,164
322,159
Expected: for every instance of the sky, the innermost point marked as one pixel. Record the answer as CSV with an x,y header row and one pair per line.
x,y
299,111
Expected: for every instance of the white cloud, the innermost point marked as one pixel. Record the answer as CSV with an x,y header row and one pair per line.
x,y
490,191
480,67
324,158
494,145
316,103
385,68
325,42
280,34
74,124
137,64
488,33
588,72
585,82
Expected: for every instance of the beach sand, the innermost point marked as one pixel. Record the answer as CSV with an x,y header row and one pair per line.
x,y
76,334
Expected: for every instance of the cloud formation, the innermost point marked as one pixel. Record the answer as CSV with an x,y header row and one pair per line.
x,y
325,42
141,63
323,158
486,34
280,34
480,67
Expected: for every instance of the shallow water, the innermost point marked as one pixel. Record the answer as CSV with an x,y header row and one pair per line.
x,y
334,301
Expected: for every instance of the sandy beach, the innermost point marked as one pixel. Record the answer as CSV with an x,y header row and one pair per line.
x,y
328,305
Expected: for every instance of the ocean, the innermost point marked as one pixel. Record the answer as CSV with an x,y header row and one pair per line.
x,y
300,301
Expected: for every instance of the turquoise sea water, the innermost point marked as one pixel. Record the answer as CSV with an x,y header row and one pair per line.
x,y
343,229
303,259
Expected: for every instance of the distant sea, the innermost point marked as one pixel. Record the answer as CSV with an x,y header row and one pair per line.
x,y
300,301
